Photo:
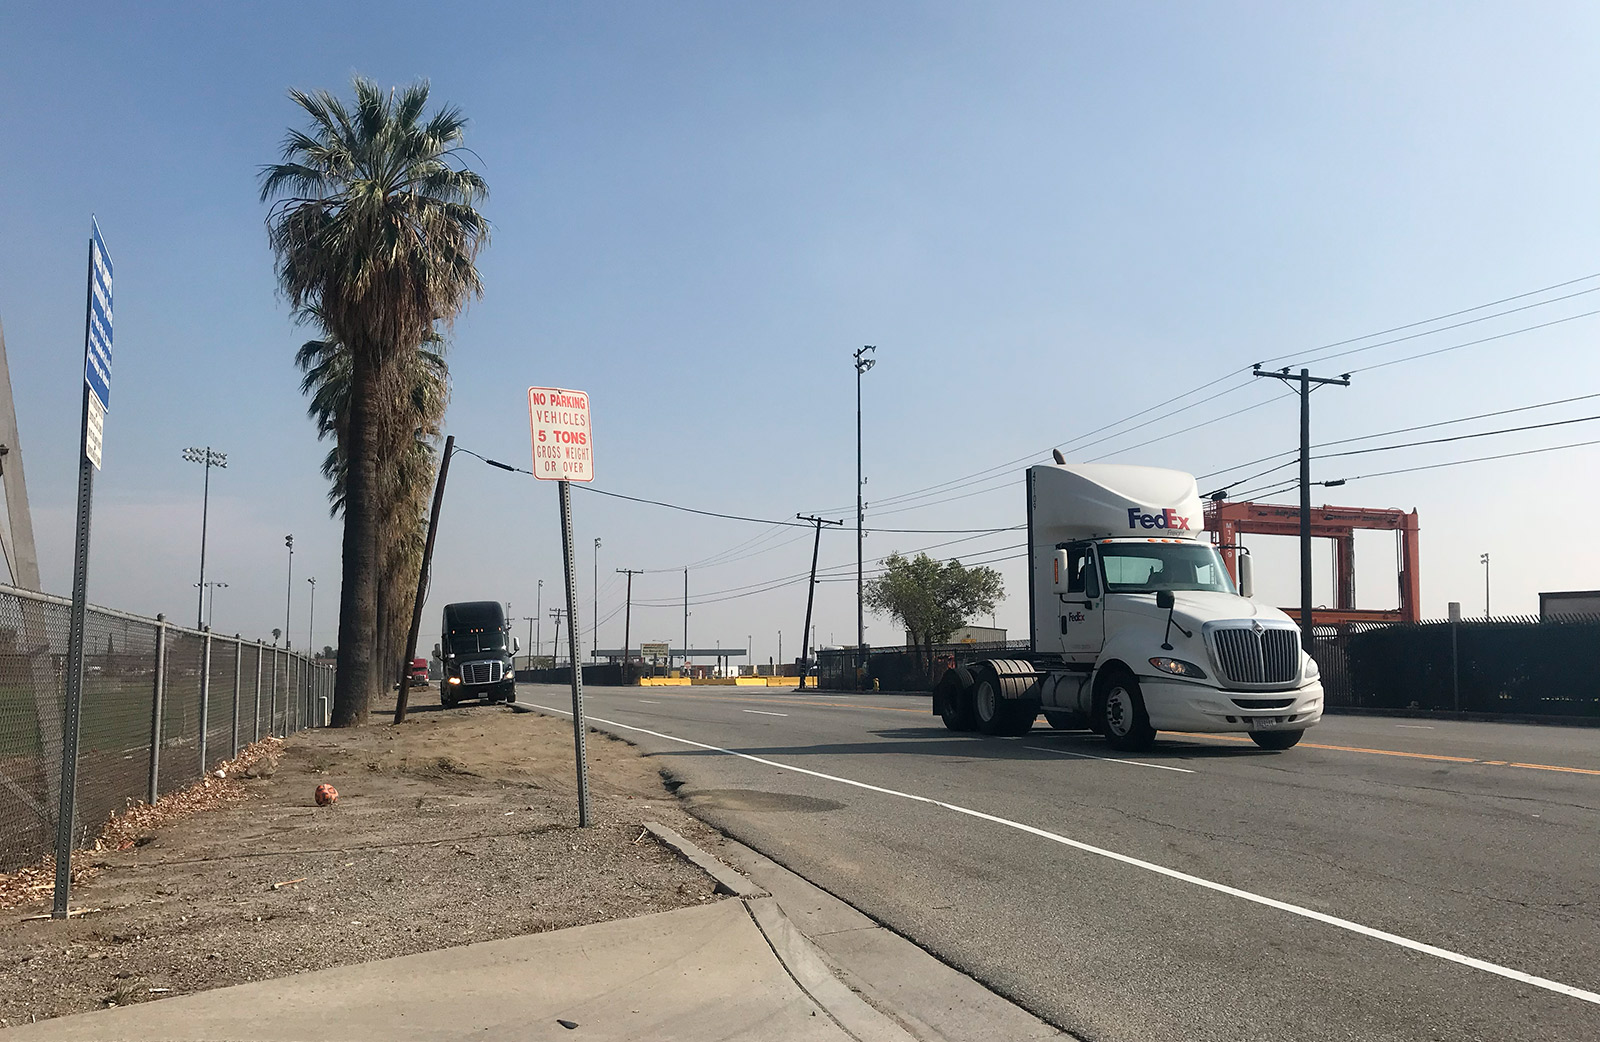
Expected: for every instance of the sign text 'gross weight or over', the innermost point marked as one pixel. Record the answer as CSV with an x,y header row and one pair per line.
x,y
563,442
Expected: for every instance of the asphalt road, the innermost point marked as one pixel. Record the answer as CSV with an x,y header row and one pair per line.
x,y
1387,879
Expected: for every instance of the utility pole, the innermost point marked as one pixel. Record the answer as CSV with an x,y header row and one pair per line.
x,y
529,619
811,596
862,365
538,599
594,636
627,618
555,650
423,574
211,458
1305,381
685,620
1483,559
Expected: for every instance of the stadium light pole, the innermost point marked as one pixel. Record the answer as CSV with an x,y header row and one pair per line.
x,y
311,620
210,458
288,600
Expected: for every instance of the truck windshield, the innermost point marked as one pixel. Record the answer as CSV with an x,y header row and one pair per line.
x,y
466,642
1146,567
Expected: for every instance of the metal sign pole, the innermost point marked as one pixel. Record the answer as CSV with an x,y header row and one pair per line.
x,y
580,728
96,397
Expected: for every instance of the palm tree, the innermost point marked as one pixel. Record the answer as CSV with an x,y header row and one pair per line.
x,y
405,482
373,223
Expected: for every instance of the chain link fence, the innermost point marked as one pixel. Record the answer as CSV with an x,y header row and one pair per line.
x,y
162,707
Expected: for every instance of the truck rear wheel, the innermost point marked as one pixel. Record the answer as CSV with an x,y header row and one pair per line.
x,y
1120,714
954,702
1276,739
997,715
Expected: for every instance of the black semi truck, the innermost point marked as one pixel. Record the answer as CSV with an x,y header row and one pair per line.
x,y
476,647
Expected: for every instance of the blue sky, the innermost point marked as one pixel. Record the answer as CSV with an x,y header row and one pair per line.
x,y
1047,216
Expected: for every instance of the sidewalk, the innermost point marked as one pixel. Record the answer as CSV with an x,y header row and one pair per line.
x,y
693,974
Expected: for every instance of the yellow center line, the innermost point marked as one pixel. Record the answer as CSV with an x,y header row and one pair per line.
x,y
1398,752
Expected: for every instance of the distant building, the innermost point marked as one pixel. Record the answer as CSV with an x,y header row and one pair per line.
x,y
972,635
1569,602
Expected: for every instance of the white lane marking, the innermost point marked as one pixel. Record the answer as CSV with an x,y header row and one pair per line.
x,y
762,712
647,702
1149,866
1113,759
1419,727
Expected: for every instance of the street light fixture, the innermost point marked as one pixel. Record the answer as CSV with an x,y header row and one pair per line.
x,y
211,609
210,458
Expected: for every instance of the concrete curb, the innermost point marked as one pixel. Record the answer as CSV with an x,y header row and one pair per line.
x,y
799,957
728,881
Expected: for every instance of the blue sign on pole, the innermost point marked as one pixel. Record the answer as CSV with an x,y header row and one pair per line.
x,y
97,345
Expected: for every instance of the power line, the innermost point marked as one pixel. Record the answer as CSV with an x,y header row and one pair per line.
x,y
1460,462
1398,430
1437,318
1460,437
1475,343
1444,329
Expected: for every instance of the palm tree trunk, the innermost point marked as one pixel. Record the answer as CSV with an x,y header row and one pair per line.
x,y
356,678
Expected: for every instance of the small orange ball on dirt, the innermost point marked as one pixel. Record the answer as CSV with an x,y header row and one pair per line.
x,y
326,794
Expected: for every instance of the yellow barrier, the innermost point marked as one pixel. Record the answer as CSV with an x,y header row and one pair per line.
x,y
719,682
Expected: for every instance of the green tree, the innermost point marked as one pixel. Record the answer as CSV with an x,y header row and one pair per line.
x,y
373,223
933,599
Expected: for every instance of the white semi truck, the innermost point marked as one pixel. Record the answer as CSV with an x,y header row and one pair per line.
x,y
1136,625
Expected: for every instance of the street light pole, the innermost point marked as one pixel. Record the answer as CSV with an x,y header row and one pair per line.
x,y
862,365
311,619
288,600
529,619
211,606
594,635
210,458
538,601
1484,560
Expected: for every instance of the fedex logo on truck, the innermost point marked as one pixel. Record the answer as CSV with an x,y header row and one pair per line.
x,y
1167,518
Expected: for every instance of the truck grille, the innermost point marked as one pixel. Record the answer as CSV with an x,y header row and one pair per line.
x,y
482,672
1245,656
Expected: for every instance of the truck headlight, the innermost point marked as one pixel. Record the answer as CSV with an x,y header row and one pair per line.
x,y
1178,667
1310,672
455,680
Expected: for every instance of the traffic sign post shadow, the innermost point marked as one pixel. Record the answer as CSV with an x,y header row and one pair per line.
x,y
563,451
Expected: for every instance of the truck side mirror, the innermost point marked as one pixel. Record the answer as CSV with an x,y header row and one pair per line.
x,y
1165,600
1058,572
516,645
436,652
1247,577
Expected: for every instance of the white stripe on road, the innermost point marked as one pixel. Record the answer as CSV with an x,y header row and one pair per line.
x,y
1113,759
647,702
1419,727
762,712
1149,866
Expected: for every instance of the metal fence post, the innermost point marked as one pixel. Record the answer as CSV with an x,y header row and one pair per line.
x,y
261,650
205,698
155,710
272,708
238,666
1455,666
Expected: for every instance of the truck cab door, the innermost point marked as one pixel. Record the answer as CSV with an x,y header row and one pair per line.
x,y
1082,607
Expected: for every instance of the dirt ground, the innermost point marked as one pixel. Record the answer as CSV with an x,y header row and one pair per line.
x,y
459,826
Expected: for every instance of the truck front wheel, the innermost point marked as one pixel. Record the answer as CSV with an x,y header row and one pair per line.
x,y
1276,739
1120,713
